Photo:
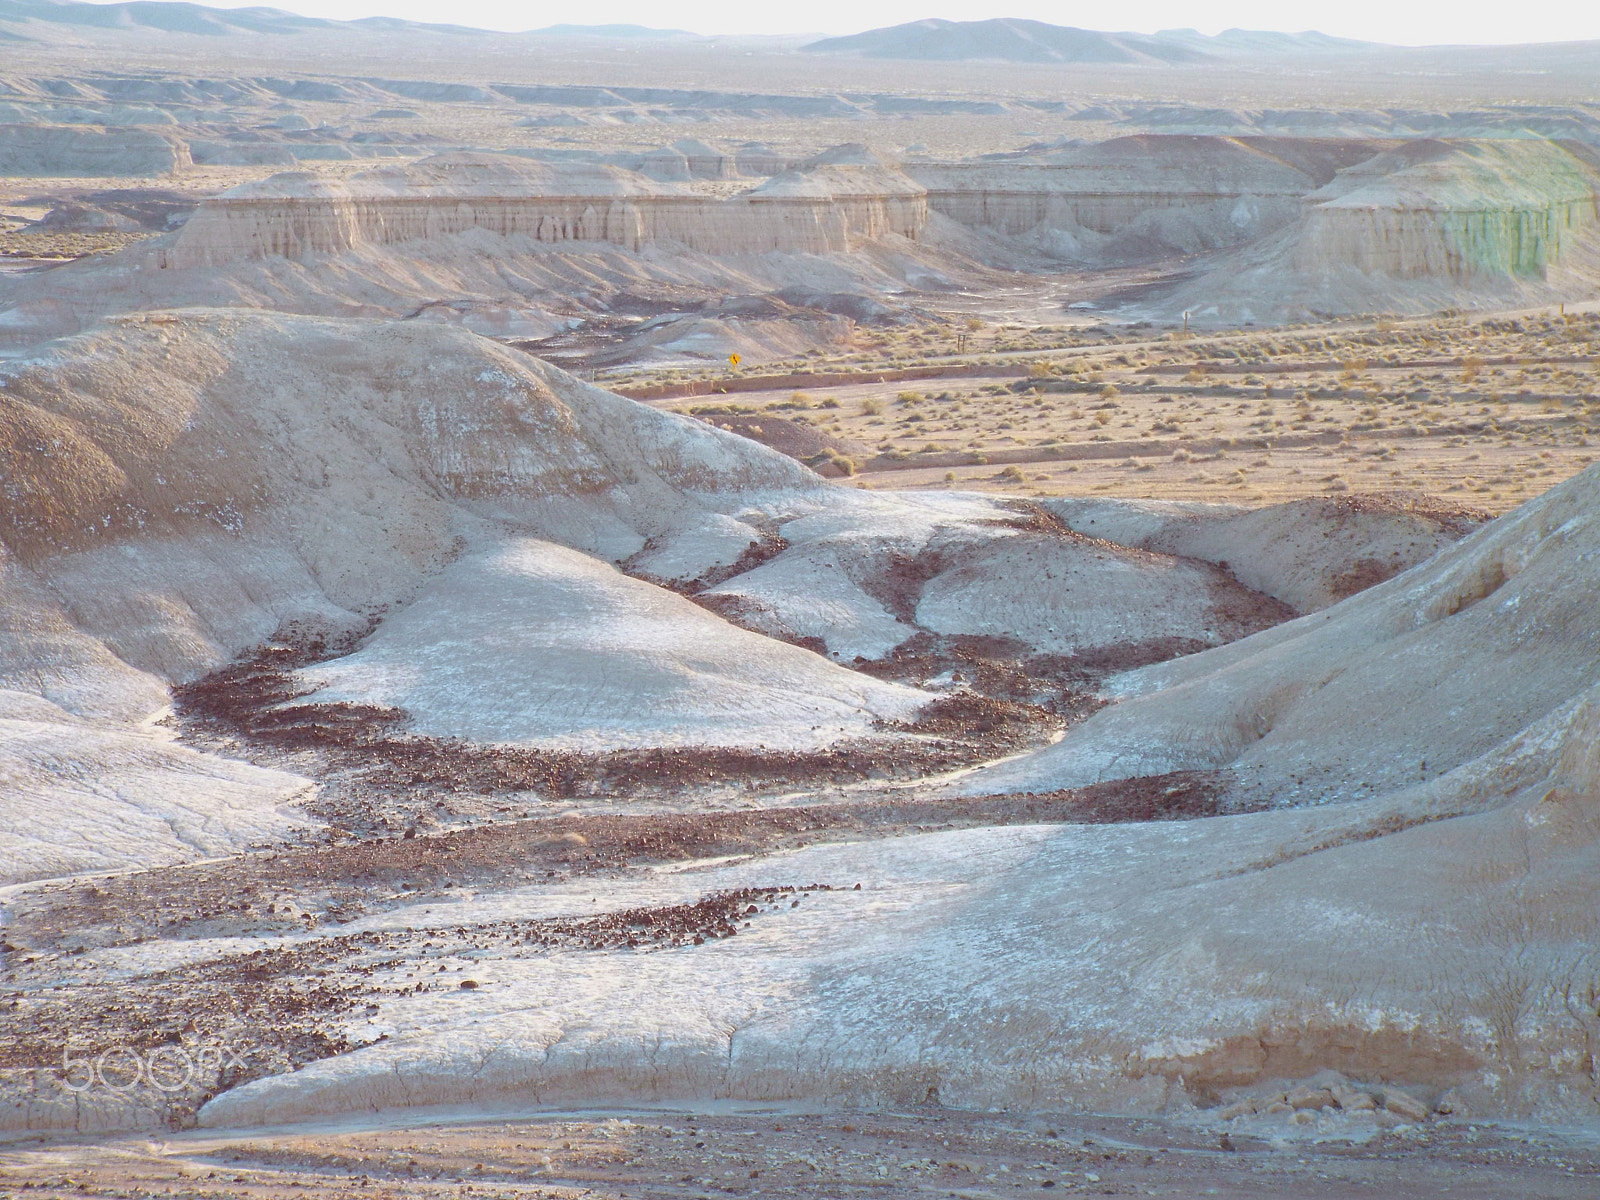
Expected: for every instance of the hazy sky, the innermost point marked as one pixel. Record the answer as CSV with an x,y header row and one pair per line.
x,y
1406,22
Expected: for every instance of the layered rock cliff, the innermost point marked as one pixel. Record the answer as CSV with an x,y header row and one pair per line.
x,y
1423,209
828,209
1222,190
1453,209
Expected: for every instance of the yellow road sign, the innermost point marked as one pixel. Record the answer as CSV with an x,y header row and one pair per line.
x,y
733,359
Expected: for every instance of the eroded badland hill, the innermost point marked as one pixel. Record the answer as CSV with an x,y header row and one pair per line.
x,y
981,610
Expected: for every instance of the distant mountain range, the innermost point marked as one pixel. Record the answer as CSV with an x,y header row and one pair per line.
x,y
169,16
1004,39
1010,39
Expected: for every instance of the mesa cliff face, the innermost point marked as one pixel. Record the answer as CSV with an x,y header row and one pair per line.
x,y
1414,210
1449,211
1210,191
1453,209
828,210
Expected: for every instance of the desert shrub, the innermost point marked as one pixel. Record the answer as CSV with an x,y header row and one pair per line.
x,y
870,407
1013,475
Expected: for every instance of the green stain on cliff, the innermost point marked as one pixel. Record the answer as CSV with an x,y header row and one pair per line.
x,y
1503,207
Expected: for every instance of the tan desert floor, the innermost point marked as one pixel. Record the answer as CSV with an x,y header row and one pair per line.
x,y
1486,411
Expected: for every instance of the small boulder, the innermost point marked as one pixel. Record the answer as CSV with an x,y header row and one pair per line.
x,y
1407,1107
1353,1099
1309,1097
1452,1104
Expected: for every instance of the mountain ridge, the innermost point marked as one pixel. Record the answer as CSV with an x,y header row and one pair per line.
x,y
1013,39
179,16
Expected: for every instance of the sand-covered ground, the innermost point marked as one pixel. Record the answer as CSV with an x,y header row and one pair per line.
x,y
1487,412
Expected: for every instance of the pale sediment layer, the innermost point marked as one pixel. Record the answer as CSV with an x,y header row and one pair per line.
x,y
1450,211
1106,187
828,210
1454,209
1447,211
1426,226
